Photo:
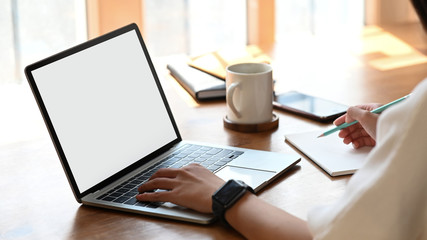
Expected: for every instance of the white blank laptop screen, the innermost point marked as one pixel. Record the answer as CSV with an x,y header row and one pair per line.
x,y
105,107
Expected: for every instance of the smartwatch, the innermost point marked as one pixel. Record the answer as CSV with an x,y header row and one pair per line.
x,y
225,197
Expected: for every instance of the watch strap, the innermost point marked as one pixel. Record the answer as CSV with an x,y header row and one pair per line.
x,y
226,196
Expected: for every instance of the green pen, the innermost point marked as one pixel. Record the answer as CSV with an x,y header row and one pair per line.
x,y
377,110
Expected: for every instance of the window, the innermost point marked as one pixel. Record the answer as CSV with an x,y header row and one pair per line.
x,y
318,17
193,26
33,30
30,31
7,58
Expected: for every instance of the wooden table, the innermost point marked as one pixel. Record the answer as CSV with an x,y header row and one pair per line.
x,y
37,202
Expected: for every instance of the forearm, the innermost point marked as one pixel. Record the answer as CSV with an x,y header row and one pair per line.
x,y
256,219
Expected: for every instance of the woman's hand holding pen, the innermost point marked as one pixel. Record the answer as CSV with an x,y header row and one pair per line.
x,y
364,132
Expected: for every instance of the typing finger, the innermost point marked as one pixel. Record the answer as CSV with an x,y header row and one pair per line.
x,y
161,196
165,173
158,183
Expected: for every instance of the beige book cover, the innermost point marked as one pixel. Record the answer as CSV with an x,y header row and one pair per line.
x,y
216,62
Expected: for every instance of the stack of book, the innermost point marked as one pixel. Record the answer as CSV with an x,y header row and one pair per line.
x,y
204,76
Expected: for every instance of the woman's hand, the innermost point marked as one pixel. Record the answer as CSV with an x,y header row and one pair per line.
x,y
362,133
191,186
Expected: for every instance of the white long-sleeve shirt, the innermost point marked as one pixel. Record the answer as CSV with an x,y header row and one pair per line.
x,y
387,197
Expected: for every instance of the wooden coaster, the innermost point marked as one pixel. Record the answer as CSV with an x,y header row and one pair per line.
x,y
250,128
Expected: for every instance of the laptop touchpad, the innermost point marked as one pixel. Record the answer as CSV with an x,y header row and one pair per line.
x,y
252,177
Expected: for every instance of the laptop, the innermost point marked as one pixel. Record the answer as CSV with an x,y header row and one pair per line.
x,y
112,127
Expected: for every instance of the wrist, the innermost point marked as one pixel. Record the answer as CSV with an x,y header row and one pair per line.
x,y
236,211
227,196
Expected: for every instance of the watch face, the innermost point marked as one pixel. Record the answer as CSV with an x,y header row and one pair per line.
x,y
228,191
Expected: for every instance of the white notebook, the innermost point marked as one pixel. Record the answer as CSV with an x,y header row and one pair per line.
x,y
329,152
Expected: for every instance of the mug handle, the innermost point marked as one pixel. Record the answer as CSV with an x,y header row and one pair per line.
x,y
230,93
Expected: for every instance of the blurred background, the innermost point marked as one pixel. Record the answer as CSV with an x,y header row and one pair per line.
x,y
33,30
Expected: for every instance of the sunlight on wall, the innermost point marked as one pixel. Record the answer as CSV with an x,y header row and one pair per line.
x,y
396,53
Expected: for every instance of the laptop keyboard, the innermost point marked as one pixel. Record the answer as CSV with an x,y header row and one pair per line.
x,y
210,157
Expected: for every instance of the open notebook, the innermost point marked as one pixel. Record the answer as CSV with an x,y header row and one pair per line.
x,y
329,152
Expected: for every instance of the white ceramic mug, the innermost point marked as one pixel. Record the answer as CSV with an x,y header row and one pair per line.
x,y
249,93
